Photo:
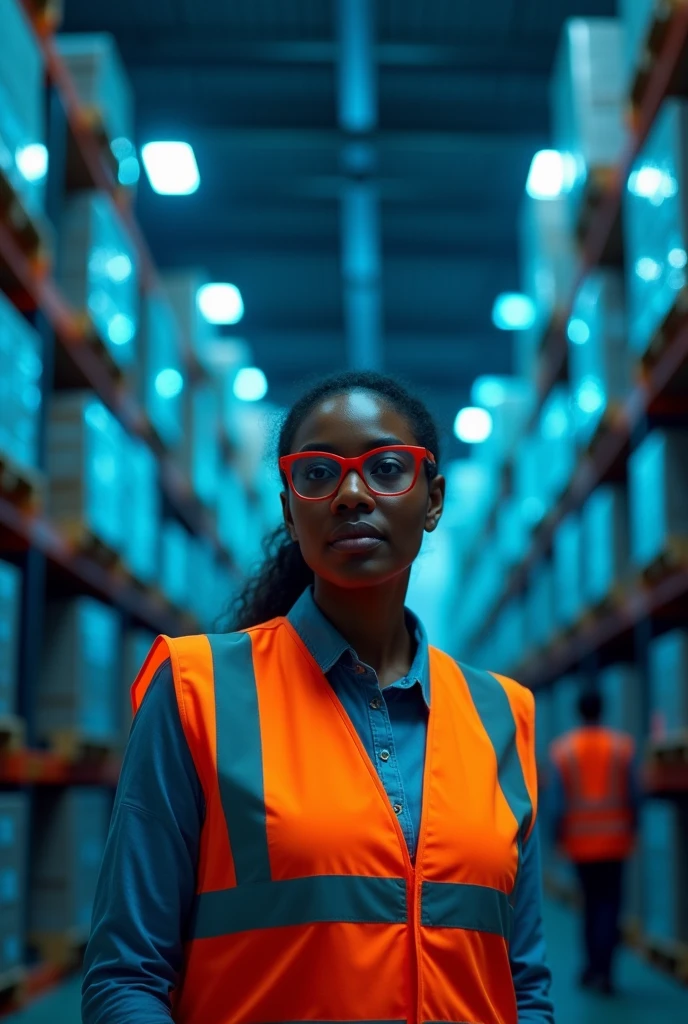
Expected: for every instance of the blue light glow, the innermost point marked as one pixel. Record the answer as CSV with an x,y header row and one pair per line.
x,y
513,311
473,425
551,174
250,384
169,383
121,329
578,331
221,303
32,162
171,168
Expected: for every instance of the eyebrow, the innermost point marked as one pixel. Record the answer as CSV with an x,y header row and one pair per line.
x,y
380,442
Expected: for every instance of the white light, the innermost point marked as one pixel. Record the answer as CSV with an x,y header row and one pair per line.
x,y
169,383
473,425
578,331
488,392
171,168
550,174
678,258
32,162
513,312
250,384
121,329
119,268
221,303
590,395
648,269
645,182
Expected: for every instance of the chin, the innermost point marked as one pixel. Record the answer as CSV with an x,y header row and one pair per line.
x,y
352,571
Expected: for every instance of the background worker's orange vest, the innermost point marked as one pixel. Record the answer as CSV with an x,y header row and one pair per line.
x,y
308,906
595,766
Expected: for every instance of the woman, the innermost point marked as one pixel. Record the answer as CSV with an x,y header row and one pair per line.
x,y
320,818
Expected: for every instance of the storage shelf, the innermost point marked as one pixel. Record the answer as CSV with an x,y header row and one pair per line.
x,y
34,288
602,226
44,768
641,602
26,529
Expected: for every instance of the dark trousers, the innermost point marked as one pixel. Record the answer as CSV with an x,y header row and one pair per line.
x,y
601,884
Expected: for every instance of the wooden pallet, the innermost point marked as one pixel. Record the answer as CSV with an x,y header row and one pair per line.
x,y
32,233
12,734
84,541
671,957
661,26
62,949
672,749
674,557
20,484
77,747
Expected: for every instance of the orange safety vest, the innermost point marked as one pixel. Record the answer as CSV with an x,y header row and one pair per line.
x,y
308,905
595,765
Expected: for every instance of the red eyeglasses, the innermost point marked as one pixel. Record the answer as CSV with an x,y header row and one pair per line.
x,y
388,471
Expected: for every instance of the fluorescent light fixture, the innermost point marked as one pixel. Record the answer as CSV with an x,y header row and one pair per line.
x,y
221,303
578,331
551,174
250,384
119,268
473,425
169,383
488,392
513,311
32,162
171,168
648,269
121,329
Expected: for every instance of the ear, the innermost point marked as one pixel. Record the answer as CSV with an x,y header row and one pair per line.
x,y
435,503
286,513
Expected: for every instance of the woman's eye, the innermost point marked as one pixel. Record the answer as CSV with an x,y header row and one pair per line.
x,y
318,472
388,467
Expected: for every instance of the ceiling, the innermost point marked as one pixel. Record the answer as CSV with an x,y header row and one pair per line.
x,y
459,100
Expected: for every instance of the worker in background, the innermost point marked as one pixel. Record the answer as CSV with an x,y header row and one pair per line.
x,y
595,801
321,817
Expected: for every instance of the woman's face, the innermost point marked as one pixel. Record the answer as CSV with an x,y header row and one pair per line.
x,y
350,425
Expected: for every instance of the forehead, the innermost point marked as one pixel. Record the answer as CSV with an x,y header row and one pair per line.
x,y
352,423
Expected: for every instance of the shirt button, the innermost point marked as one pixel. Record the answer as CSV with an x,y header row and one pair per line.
x,y
384,755
398,808
376,703
360,670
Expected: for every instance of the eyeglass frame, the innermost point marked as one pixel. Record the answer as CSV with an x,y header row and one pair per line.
x,y
286,463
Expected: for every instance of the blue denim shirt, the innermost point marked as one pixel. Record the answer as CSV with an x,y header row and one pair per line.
x,y
147,884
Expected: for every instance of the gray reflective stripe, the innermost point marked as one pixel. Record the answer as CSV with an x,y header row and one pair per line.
x,y
299,901
240,755
492,704
471,907
587,828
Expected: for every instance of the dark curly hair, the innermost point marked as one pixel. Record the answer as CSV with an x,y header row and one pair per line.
x,y
284,575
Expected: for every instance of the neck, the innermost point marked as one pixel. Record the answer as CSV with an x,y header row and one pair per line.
x,y
372,620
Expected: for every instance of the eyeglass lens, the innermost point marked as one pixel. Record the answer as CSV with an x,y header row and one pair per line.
x,y
388,472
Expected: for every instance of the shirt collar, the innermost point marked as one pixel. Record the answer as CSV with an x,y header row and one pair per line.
x,y
328,646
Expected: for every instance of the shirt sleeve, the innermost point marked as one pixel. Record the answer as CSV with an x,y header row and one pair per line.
x,y
527,952
147,881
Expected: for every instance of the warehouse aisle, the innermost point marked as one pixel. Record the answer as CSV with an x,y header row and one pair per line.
x,y
645,994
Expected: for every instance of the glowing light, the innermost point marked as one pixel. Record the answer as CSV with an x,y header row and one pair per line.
x,y
121,329
169,383
678,258
578,331
550,175
221,303
513,312
119,268
651,182
590,396
32,162
129,168
171,168
250,384
648,269
488,392
473,425
555,423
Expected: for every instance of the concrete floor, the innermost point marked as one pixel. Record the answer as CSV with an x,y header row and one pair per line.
x,y
646,996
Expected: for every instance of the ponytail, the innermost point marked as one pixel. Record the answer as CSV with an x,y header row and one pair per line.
x,y
277,585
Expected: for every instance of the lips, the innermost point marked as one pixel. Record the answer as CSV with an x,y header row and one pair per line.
x,y
356,537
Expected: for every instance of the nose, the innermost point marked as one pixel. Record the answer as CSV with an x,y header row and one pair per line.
x,y
353,493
